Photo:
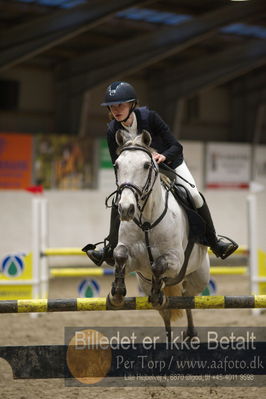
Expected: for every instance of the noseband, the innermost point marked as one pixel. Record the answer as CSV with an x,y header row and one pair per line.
x,y
141,194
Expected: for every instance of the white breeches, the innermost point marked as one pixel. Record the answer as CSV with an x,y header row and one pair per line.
x,y
183,171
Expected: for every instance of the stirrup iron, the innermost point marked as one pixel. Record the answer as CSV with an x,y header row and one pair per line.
x,y
231,250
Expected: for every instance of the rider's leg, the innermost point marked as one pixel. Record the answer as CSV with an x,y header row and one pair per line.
x,y
219,247
183,171
106,253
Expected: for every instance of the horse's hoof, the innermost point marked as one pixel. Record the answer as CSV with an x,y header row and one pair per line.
x,y
114,302
118,291
158,301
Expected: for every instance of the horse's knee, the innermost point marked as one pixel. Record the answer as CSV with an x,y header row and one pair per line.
x,y
121,254
160,266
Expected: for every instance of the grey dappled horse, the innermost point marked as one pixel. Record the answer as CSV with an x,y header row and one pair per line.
x,y
156,256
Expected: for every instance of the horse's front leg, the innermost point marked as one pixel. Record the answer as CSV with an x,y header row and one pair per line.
x,y
118,291
157,297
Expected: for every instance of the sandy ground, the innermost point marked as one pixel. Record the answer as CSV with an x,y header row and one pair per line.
x,y
21,329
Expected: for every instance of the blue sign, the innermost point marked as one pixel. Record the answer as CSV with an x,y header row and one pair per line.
x,y
210,289
12,266
88,289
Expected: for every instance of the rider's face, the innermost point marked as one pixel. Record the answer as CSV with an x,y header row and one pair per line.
x,y
120,111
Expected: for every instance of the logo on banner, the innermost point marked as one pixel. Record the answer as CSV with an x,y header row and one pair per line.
x,y
88,289
210,289
12,265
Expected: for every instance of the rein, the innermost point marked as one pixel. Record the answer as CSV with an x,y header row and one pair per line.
x,y
146,226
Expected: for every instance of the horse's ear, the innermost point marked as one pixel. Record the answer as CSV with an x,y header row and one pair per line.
x,y
146,138
121,137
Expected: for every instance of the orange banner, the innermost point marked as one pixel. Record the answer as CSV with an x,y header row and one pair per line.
x,y
15,160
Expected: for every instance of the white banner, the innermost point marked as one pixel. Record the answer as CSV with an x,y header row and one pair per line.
x,y
228,165
260,164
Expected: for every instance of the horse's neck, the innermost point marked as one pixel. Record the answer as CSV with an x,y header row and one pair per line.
x,y
155,204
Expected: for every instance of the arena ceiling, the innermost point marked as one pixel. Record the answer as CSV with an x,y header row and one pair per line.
x,y
181,46
84,35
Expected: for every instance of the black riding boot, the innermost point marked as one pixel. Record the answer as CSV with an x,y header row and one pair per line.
x,y
105,254
218,246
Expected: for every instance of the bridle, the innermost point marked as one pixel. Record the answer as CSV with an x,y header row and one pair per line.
x,y
141,193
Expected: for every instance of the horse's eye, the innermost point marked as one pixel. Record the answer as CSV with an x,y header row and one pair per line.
x,y
146,165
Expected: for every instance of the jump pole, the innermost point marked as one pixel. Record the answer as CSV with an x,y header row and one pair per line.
x,y
36,289
73,251
132,303
252,237
255,279
43,245
56,272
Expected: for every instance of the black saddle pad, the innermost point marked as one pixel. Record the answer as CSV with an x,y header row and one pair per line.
x,y
197,226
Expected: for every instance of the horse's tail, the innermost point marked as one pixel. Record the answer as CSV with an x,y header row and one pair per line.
x,y
174,290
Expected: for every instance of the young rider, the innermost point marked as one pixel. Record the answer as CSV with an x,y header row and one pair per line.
x,y
121,101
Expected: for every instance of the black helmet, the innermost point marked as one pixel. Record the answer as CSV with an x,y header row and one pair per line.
x,y
119,92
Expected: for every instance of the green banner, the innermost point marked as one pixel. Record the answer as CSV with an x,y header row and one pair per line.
x,y
105,159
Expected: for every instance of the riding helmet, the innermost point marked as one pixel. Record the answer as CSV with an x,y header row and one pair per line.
x,y
119,92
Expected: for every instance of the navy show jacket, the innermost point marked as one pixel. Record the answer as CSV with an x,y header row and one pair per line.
x,y
162,139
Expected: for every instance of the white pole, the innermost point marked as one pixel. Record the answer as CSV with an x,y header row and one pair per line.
x,y
36,282
43,246
253,250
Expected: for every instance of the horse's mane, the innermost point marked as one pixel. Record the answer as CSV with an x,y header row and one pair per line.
x,y
136,143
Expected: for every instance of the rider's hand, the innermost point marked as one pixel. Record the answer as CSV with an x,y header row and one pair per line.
x,y
158,157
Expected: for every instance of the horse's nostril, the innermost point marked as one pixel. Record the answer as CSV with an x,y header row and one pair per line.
x,y
131,210
126,213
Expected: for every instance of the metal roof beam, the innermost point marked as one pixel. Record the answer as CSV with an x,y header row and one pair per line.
x,y
28,40
135,54
192,77
21,8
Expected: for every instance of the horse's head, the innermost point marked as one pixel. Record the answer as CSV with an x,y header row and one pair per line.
x,y
136,172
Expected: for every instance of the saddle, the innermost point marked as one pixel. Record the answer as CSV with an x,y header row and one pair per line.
x,y
197,226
